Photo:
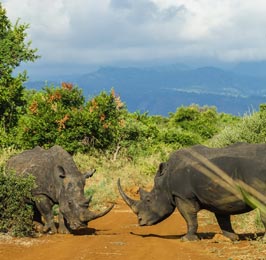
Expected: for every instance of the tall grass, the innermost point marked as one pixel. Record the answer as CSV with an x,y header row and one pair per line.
x,y
133,174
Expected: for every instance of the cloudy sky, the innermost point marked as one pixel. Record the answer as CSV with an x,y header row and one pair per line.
x,y
75,36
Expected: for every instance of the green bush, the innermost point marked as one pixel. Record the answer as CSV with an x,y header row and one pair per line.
x,y
106,120
251,129
15,213
179,138
59,115
48,112
197,120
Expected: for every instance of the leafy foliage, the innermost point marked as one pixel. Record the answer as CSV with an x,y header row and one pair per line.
x,y
59,115
251,129
15,213
13,50
194,124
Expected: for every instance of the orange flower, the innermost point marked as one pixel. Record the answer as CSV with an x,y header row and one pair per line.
x,y
102,118
113,93
34,107
56,96
61,122
119,103
105,125
67,86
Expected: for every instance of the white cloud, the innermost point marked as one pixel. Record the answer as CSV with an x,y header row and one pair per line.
x,y
107,31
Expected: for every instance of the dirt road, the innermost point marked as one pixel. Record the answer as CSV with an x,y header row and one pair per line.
x,y
118,237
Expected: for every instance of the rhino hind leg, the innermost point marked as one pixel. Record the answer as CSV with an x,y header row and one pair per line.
x,y
226,227
45,207
263,220
189,210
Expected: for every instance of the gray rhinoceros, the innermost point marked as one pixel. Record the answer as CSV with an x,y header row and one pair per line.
x,y
58,181
189,183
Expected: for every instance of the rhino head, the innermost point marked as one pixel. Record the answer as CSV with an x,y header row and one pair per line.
x,y
72,202
152,208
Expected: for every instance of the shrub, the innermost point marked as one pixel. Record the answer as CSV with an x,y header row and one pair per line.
x,y
15,213
139,129
59,115
47,114
197,120
106,120
251,129
179,138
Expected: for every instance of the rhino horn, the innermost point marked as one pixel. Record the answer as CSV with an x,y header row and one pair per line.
x,y
130,202
86,202
89,174
91,215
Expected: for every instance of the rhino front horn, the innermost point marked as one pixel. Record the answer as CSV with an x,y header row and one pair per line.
x,y
130,202
91,215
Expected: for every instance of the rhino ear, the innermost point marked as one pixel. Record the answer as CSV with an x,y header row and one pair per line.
x,y
61,172
161,168
89,174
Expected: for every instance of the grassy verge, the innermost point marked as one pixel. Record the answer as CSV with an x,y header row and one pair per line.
x,y
103,185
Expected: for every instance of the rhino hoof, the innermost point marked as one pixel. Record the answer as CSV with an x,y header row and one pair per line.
x,y
63,231
231,236
188,237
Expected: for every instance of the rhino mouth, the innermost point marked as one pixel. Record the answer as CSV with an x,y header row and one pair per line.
x,y
78,226
148,223
155,219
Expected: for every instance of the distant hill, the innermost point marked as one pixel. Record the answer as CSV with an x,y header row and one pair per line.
x,y
161,89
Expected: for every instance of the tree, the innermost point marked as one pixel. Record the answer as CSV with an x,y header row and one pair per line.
x,y
14,49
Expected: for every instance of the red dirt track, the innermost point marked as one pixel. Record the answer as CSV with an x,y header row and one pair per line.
x,y
117,236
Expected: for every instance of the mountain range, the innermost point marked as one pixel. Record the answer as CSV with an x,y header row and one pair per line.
x,y
162,89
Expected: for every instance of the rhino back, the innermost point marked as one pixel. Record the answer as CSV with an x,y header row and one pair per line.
x,y
244,162
41,165
64,159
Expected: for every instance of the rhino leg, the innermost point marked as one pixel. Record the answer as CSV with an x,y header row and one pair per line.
x,y
37,220
226,227
62,229
45,207
189,210
263,220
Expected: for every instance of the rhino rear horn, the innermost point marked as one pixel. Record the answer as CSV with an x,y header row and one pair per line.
x,y
86,202
130,202
89,174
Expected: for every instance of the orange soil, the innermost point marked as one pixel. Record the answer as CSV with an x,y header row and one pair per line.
x,y
117,236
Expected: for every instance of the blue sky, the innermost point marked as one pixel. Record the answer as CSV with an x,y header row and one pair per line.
x,y
77,36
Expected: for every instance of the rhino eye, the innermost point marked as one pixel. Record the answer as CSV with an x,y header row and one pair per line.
x,y
148,199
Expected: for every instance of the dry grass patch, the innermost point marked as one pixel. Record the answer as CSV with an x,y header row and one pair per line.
x,y
103,185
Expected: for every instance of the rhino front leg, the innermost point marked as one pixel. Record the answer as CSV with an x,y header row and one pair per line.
x,y
62,229
226,227
189,210
45,207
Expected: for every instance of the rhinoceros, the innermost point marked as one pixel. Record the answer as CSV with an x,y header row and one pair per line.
x,y
58,181
198,178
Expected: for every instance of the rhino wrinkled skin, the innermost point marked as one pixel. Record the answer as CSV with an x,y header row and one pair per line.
x,y
183,183
58,181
